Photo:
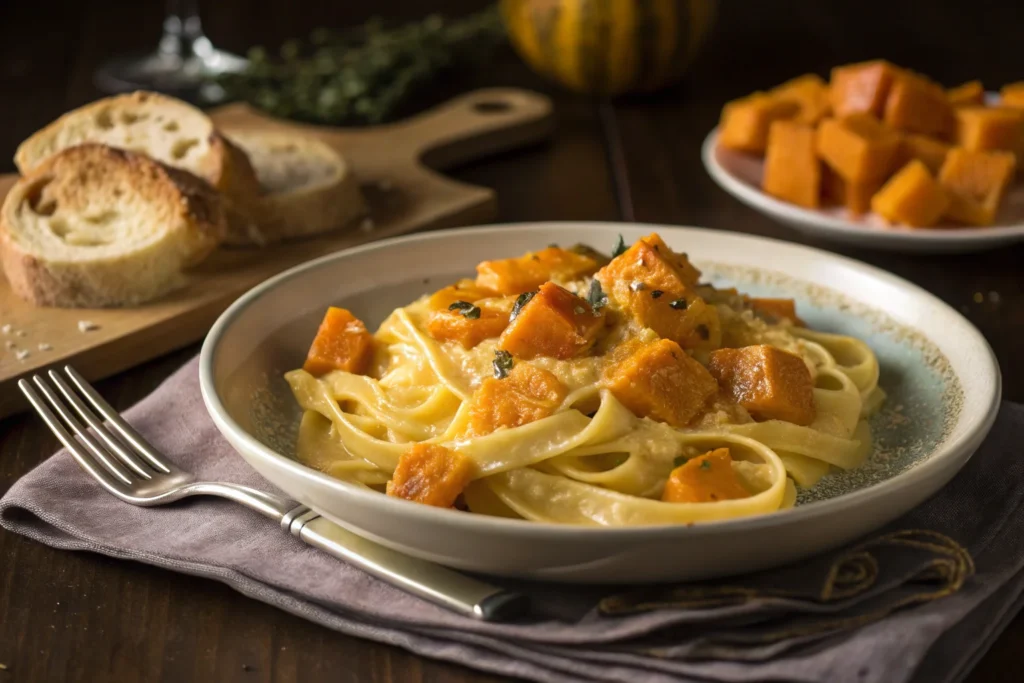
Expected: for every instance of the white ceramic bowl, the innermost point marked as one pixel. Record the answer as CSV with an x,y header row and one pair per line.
x,y
937,367
740,175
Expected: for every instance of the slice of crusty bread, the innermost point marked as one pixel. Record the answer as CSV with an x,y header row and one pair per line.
x,y
94,226
164,128
306,186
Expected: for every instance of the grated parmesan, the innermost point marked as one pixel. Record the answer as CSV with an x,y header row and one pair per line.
x,y
22,354
6,329
87,326
45,347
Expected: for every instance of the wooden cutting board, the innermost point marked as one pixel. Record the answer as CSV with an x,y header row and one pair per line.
x,y
394,165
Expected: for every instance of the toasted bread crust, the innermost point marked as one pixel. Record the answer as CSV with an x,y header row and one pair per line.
x,y
182,216
313,205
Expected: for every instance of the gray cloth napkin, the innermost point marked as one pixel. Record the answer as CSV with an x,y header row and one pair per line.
x,y
921,600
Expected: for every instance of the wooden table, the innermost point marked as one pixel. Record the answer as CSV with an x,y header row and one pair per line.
x,y
74,617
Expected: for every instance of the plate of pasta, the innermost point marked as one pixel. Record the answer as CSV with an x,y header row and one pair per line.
x,y
599,402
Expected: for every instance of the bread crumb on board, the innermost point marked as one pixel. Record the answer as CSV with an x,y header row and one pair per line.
x,y
87,326
45,347
22,354
9,345
7,329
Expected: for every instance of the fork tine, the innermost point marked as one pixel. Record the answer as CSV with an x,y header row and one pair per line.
x,y
98,428
143,447
81,456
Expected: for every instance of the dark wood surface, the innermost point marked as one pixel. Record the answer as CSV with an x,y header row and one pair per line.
x,y
77,617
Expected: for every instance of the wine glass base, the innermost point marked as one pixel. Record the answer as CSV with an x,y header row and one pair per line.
x,y
188,77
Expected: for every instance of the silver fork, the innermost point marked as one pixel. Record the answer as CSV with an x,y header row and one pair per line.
x,y
126,465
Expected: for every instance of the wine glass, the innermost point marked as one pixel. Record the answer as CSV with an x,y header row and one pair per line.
x,y
182,65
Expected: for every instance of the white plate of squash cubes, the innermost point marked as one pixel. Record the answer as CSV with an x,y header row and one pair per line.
x,y
878,157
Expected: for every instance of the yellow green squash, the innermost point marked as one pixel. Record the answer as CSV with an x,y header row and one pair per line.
x,y
608,46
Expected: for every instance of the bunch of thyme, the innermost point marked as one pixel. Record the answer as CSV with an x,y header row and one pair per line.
x,y
364,75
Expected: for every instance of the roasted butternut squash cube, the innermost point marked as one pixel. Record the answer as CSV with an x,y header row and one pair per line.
x,y
969,94
659,380
431,474
654,286
810,92
917,105
978,180
745,122
688,272
525,395
770,383
455,315
931,152
707,478
776,310
856,197
984,128
861,88
1012,95
466,331
911,197
528,272
341,343
792,171
858,148
554,323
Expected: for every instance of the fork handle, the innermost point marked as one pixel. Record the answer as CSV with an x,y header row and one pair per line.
x,y
445,587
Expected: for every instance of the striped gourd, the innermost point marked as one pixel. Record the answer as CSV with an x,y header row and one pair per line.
x,y
608,46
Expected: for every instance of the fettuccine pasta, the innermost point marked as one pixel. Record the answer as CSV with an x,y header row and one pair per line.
x,y
568,387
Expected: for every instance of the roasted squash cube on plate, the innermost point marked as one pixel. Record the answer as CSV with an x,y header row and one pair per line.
x,y
792,171
554,323
528,272
911,197
971,93
527,394
431,474
858,148
986,128
929,151
341,343
1012,95
810,92
917,105
745,122
659,380
861,88
856,197
705,479
976,182
770,383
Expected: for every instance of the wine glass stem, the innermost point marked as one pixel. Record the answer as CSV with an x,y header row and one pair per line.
x,y
183,29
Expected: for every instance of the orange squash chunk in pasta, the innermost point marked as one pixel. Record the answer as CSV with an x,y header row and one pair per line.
x,y
554,323
770,383
528,272
432,475
341,343
464,325
775,310
705,479
654,286
659,380
527,394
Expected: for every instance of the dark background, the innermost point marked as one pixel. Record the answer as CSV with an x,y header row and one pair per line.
x,y
82,617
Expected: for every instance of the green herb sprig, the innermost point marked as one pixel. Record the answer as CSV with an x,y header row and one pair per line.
x,y
365,75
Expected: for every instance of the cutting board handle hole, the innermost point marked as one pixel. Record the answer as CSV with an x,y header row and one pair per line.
x,y
491,106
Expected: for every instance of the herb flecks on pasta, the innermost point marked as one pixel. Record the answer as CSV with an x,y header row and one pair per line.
x,y
569,387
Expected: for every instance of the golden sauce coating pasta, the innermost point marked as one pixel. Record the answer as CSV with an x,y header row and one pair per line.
x,y
564,386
